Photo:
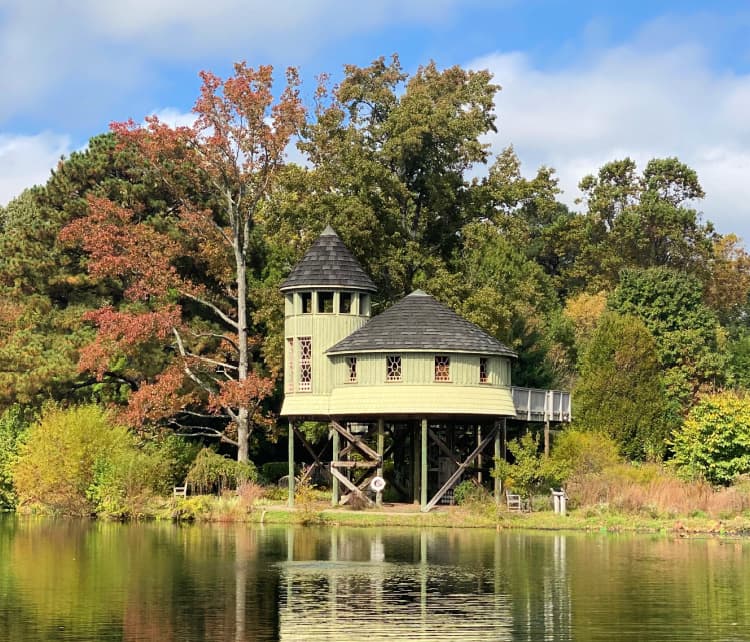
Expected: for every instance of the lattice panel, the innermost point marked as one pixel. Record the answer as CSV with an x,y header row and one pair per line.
x,y
393,367
305,364
442,368
351,363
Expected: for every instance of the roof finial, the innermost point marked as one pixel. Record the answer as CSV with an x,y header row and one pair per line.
x,y
329,231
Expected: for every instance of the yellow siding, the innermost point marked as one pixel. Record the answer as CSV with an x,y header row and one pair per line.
x,y
419,368
402,399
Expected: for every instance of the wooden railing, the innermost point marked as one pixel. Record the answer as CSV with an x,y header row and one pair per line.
x,y
533,404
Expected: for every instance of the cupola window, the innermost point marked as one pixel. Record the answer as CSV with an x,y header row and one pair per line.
x,y
442,367
393,367
345,303
325,302
306,302
364,305
351,365
305,364
484,373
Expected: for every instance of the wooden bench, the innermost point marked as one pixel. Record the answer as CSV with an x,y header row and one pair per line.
x,y
516,502
179,491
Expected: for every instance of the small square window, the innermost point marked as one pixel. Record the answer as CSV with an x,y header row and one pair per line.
x,y
325,302
393,367
345,303
364,305
306,302
484,373
442,368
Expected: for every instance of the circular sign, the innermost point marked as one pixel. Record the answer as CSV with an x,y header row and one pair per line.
x,y
377,484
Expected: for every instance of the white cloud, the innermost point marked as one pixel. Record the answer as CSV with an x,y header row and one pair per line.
x,y
27,161
174,117
635,100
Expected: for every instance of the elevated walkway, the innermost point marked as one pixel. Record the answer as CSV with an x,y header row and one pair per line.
x,y
532,404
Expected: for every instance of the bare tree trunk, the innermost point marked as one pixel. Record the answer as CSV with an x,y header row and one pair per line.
x,y
243,428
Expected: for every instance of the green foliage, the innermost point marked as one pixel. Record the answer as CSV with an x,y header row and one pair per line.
x,y
212,472
687,332
272,471
178,455
468,493
13,422
620,391
125,481
60,454
531,471
714,441
576,453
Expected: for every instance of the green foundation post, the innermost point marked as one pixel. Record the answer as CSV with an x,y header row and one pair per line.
x,y
335,457
423,476
380,448
291,465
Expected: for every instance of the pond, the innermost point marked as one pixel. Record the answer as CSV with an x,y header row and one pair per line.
x,y
94,581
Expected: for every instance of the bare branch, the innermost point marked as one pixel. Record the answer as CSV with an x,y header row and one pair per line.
x,y
224,337
227,319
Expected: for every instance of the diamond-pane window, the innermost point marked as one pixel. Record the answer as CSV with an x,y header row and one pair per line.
x,y
484,373
305,364
289,375
393,367
351,364
442,368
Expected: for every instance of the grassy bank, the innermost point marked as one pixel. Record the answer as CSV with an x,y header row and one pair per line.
x,y
229,509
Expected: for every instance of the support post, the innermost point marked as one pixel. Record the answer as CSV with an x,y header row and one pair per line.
x,y
479,456
414,464
380,449
291,465
335,497
498,481
546,438
423,476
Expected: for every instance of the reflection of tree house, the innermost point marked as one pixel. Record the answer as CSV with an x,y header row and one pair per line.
x,y
417,376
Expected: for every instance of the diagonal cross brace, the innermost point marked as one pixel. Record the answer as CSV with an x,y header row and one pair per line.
x,y
459,471
348,484
355,441
309,448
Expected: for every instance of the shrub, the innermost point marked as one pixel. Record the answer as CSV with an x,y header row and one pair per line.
x,y
468,493
249,492
272,471
125,481
13,423
211,472
714,442
531,471
177,454
576,453
58,455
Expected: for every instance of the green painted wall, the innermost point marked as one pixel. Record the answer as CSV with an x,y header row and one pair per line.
x,y
325,329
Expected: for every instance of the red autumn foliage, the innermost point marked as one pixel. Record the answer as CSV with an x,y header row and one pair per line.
x,y
167,396
218,173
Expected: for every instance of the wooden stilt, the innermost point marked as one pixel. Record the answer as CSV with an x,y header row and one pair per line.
x,y
291,465
414,464
380,448
546,438
498,481
460,471
479,456
423,475
334,480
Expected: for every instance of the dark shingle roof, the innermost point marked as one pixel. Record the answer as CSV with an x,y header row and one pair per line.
x,y
419,322
328,263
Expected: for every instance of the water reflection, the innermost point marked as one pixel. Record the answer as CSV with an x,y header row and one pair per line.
x,y
93,581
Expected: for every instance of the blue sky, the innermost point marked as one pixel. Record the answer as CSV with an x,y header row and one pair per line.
x,y
583,82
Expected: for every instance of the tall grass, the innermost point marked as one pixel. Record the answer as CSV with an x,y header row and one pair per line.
x,y
653,490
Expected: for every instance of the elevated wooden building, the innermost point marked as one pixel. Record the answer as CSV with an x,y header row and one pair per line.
x,y
417,376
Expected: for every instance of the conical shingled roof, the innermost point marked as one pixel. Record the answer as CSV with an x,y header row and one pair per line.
x,y
420,323
328,263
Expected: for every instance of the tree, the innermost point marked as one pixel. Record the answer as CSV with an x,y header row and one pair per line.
x,y
687,333
620,391
388,156
185,271
714,442
642,221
